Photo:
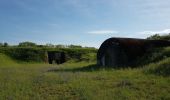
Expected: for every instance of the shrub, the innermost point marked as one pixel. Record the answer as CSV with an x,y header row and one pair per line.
x,y
161,68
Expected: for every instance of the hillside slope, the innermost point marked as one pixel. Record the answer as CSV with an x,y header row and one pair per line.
x,y
6,60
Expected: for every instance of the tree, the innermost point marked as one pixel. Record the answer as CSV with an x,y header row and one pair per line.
x,y
159,37
27,44
165,37
50,45
1,44
154,37
5,44
75,46
60,46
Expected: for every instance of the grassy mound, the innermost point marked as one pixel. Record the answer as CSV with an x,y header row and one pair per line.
x,y
6,60
156,61
154,56
161,68
38,54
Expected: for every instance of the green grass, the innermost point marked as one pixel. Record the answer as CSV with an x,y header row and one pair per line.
x,y
6,61
161,68
82,81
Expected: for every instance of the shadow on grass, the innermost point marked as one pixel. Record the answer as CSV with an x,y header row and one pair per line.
x,y
88,68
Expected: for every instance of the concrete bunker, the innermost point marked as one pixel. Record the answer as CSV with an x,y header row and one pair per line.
x,y
55,57
125,51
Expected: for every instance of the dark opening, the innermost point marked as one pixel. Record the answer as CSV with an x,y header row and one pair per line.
x,y
56,57
115,56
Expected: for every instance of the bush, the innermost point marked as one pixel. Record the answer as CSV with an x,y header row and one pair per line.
x,y
161,68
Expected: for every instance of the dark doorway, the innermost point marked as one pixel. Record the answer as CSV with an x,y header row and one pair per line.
x,y
55,57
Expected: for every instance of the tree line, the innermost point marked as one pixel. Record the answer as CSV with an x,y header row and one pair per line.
x,y
159,37
5,44
49,45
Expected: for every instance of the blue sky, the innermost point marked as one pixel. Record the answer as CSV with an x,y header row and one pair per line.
x,y
81,22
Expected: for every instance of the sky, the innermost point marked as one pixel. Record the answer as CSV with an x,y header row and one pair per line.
x,y
81,22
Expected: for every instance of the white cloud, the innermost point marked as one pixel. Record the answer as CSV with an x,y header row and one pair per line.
x,y
161,32
145,34
103,32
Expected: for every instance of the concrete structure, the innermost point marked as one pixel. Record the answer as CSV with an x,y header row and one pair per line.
x,y
124,51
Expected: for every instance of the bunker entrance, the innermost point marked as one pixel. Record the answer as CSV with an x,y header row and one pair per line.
x,y
114,56
110,58
56,57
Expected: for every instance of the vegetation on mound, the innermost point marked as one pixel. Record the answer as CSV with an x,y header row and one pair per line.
x,y
6,61
161,68
38,54
154,55
159,37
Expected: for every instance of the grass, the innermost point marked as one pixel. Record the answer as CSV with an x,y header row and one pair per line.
x,y
82,81
161,68
6,61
